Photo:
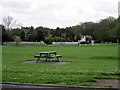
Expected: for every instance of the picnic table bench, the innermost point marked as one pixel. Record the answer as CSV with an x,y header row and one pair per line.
x,y
47,55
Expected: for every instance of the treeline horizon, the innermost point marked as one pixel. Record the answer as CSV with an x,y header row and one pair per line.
x,y
106,30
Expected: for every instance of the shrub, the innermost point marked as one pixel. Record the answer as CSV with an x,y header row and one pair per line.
x,y
48,40
17,40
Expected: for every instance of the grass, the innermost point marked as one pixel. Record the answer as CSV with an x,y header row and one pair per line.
x,y
87,64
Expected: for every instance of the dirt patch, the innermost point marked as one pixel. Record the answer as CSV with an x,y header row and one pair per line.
x,y
107,83
47,62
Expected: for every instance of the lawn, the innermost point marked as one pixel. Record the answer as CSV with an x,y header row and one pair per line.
x,y
87,63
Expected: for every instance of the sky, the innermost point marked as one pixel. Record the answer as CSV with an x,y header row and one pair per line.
x,y
57,13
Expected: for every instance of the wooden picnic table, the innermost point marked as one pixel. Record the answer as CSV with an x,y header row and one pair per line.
x,y
47,55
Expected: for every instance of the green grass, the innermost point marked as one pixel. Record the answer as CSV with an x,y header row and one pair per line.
x,y
87,63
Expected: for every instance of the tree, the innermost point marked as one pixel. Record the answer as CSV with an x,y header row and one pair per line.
x,y
22,35
118,29
17,40
39,34
106,30
30,34
3,34
10,23
6,35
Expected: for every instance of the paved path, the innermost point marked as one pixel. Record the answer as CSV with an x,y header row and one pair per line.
x,y
20,86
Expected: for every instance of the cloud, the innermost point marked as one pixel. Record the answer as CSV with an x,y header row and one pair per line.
x,y
57,13
104,6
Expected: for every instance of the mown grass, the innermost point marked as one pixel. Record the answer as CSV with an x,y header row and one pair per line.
x,y
87,63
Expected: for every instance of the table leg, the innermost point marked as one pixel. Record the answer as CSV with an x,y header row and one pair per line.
x,y
57,59
49,57
46,59
37,60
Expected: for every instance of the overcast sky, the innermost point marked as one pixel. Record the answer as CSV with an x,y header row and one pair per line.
x,y
57,13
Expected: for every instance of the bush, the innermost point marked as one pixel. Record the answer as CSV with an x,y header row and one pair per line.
x,y
54,39
48,40
58,39
17,40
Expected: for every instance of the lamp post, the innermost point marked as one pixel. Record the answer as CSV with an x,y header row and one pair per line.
x,y
118,8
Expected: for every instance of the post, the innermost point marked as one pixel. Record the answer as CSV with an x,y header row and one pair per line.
x,y
92,42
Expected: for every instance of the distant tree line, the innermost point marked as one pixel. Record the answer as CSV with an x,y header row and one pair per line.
x,y
106,30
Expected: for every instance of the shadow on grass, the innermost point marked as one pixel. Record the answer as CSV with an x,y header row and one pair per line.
x,y
46,62
104,57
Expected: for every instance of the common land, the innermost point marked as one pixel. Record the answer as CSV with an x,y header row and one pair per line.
x,y
87,64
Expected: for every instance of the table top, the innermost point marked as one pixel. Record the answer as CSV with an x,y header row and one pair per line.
x,y
48,52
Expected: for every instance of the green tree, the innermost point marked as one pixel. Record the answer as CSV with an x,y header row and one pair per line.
x,y
22,35
30,34
118,29
39,34
17,40
4,34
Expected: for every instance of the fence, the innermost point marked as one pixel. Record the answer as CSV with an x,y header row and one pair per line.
x,y
41,43
24,43
64,43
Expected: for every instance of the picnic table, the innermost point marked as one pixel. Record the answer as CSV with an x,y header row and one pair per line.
x,y
47,55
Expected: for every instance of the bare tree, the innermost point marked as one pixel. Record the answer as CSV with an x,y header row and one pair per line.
x,y
10,23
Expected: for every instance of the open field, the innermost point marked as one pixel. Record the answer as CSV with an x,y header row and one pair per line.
x,y
87,64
